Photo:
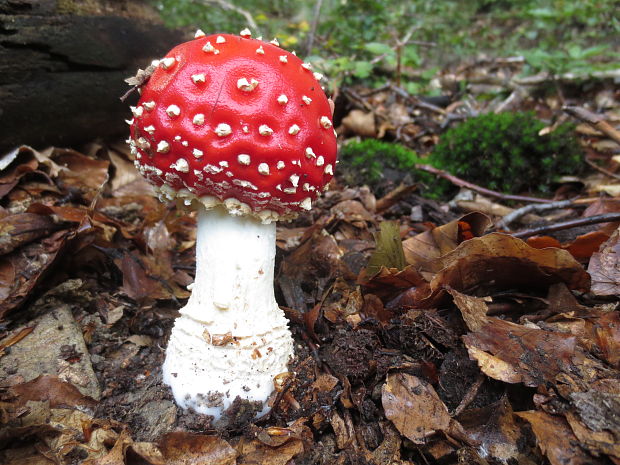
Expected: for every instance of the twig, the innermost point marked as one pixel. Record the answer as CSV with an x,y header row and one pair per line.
x,y
601,169
566,77
596,219
416,101
393,196
482,190
470,395
315,23
594,120
533,207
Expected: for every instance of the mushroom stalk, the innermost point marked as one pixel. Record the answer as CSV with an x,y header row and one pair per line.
x,y
231,339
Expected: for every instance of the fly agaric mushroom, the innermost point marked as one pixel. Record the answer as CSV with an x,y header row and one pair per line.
x,y
240,130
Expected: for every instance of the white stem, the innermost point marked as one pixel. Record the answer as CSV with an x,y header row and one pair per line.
x,y
232,338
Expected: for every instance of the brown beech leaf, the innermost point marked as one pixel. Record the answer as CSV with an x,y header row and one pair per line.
x,y
79,172
181,448
116,455
13,166
22,228
424,249
52,389
496,428
254,452
604,267
414,407
598,441
499,261
360,123
138,282
607,337
581,248
514,353
473,309
390,281
556,440
27,266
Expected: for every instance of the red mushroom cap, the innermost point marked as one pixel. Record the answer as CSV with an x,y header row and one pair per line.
x,y
238,121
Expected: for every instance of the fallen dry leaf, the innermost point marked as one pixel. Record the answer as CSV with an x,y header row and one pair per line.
x,y
514,353
196,449
497,430
414,407
499,261
53,390
473,309
423,250
604,267
597,441
253,452
22,228
556,440
360,123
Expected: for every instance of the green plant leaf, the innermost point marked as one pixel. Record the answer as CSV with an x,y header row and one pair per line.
x,y
377,48
389,249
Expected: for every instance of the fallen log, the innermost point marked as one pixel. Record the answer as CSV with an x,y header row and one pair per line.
x,y
62,68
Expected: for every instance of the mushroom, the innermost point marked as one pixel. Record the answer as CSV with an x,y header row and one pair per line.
x,y
230,129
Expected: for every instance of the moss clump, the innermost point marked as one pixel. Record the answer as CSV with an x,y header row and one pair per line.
x,y
375,162
505,152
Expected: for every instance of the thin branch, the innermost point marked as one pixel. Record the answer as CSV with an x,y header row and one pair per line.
x,y
594,120
470,395
596,219
315,22
531,208
474,187
601,169
229,6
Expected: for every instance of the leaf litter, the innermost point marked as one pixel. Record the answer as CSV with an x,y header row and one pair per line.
x,y
429,338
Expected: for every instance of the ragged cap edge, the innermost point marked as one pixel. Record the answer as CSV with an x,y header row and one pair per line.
x,y
234,206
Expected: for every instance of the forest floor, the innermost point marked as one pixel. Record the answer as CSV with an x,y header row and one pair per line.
x,y
491,346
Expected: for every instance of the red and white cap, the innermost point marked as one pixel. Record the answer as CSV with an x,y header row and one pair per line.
x,y
231,120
